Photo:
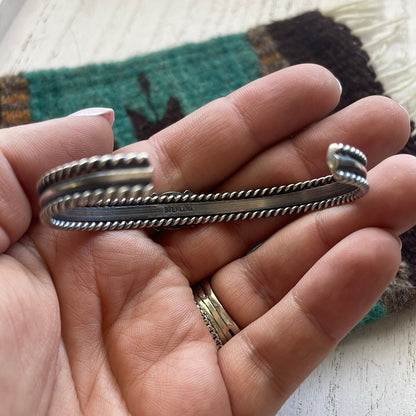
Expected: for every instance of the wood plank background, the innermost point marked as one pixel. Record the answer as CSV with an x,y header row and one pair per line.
x,y
372,372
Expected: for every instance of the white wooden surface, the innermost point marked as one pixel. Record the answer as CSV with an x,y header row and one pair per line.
x,y
372,372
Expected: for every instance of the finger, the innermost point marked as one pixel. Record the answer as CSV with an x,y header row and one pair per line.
x,y
206,147
26,152
253,284
363,124
33,149
273,355
376,125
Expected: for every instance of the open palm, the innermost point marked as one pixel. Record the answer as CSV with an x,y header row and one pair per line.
x,y
105,323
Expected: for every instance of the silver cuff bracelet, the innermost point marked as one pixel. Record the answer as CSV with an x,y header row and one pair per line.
x,y
114,192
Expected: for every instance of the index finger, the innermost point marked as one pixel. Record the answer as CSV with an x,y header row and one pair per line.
x,y
206,147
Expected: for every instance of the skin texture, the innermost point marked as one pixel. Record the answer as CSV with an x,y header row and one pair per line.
x,y
105,323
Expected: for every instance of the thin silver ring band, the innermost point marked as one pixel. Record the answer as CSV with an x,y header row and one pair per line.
x,y
220,325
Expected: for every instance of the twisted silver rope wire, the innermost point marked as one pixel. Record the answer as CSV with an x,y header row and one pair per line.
x,y
114,192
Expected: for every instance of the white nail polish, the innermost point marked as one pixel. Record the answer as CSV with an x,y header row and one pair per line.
x,y
340,85
107,113
404,108
399,240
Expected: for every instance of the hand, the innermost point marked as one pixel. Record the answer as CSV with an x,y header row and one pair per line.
x,y
105,323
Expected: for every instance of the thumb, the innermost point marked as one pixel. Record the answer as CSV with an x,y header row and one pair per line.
x,y
26,152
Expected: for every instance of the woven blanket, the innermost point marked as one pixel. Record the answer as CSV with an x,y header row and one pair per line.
x,y
150,92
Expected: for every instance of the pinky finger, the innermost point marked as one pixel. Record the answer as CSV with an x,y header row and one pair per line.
x,y
273,355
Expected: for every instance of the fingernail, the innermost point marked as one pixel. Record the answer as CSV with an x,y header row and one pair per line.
x,y
399,240
404,108
107,113
340,86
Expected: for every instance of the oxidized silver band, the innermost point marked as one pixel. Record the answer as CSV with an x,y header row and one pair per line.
x,y
220,325
114,192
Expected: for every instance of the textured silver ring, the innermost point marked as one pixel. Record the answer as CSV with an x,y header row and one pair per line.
x,y
220,325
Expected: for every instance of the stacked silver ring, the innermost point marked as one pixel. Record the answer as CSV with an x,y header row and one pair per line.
x,y
219,323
